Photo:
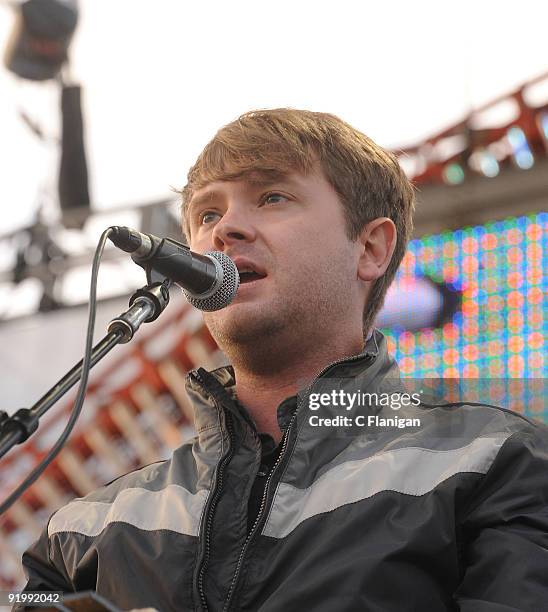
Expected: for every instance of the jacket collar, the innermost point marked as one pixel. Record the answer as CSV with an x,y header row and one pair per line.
x,y
370,366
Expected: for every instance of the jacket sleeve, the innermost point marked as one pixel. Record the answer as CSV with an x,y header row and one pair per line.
x,y
43,574
506,530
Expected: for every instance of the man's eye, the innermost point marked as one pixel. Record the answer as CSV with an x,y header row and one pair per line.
x,y
266,198
205,217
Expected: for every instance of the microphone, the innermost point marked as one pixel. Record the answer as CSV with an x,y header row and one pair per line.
x,y
209,281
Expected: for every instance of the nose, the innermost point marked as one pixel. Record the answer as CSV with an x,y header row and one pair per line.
x,y
234,226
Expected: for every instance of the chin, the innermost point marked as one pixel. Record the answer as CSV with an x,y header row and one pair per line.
x,y
240,324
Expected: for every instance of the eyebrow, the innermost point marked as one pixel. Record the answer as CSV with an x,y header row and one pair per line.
x,y
205,198
256,181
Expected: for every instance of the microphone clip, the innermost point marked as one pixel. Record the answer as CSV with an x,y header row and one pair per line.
x,y
146,305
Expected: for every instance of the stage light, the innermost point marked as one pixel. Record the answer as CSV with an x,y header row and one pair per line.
x,y
544,121
489,165
520,147
453,174
38,45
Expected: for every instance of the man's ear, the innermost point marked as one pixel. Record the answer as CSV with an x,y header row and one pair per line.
x,y
377,242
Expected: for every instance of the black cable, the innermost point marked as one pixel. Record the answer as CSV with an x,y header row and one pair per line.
x,y
78,403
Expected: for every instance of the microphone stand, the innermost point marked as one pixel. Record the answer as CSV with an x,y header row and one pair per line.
x,y
146,305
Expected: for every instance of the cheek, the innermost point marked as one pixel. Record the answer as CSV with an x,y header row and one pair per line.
x,y
313,257
325,246
200,245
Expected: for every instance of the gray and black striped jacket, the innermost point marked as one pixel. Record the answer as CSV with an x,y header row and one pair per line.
x,y
451,514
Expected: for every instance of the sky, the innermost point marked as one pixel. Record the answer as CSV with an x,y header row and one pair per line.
x,y
161,77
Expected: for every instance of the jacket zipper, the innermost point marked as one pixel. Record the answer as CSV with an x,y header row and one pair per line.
x,y
259,518
213,499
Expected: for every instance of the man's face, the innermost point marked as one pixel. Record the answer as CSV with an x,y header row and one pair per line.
x,y
291,233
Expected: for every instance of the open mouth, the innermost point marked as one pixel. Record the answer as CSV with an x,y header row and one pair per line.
x,y
249,271
249,277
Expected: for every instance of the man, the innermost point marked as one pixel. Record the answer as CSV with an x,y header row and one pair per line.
x,y
276,504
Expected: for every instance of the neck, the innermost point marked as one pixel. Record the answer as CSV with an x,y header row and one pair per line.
x,y
262,389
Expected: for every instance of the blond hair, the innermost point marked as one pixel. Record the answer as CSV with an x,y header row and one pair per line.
x,y
271,142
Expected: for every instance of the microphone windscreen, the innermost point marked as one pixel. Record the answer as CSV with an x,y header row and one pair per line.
x,y
226,288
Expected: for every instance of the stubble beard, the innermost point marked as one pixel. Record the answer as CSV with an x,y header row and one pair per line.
x,y
266,335
256,336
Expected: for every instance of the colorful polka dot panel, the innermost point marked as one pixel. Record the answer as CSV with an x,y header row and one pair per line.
x,y
499,330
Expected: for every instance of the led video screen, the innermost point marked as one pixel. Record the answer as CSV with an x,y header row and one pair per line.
x,y
498,331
